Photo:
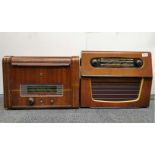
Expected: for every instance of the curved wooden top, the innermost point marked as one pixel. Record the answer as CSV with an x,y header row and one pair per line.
x,y
41,61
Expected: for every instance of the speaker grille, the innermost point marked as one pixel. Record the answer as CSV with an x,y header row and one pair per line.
x,y
115,89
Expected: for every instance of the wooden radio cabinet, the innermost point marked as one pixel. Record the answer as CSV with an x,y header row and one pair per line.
x,y
115,79
41,82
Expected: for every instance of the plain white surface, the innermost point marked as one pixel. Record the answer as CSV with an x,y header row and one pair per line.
x,y
69,44
67,140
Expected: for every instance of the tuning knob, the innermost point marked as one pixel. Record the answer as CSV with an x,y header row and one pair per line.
x,y
30,101
94,62
138,63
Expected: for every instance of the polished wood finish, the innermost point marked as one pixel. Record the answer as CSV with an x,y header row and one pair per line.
x,y
41,70
113,75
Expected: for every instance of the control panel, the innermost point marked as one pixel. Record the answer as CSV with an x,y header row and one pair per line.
x,y
116,62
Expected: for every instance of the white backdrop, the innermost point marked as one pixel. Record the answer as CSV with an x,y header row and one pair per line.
x,y
68,44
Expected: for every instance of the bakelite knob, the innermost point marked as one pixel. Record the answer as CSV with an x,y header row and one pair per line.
x,y
138,63
30,101
94,62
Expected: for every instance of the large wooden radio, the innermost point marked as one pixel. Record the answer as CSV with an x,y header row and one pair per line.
x,y
41,82
115,79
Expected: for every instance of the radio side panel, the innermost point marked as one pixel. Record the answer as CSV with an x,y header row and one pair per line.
x,y
75,80
6,64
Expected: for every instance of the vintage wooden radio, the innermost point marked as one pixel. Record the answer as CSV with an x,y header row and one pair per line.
x,y
116,79
41,82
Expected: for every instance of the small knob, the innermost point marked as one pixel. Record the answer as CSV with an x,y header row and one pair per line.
x,y
94,62
30,101
138,63
52,101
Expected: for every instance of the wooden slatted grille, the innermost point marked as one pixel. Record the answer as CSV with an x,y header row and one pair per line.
x,y
115,89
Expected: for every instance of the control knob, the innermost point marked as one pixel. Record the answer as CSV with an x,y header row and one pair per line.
x,y
138,63
31,101
94,62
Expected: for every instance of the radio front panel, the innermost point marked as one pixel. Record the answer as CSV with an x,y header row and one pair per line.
x,y
41,87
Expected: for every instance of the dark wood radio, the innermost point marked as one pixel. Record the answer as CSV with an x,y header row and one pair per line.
x,y
115,79
41,82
